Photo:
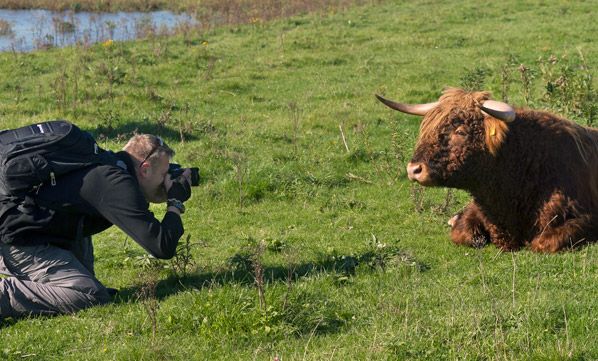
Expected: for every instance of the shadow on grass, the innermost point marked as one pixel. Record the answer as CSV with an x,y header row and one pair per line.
x,y
241,272
7,322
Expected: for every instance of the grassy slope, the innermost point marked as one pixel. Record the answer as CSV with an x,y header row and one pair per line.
x,y
236,89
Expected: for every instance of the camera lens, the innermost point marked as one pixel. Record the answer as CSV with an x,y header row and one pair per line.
x,y
175,170
194,177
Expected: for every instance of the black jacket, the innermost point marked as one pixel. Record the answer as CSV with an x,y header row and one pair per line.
x,y
86,202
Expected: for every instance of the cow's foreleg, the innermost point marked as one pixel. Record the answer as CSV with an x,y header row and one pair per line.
x,y
560,225
467,227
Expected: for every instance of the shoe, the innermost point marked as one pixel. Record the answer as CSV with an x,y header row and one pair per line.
x,y
111,291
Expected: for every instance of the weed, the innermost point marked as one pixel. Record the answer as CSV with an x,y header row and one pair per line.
x,y
446,206
240,262
19,94
392,162
239,161
475,79
505,82
183,262
60,89
115,75
290,255
153,95
527,77
417,194
163,120
479,242
5,28
144,27
276,245
210,68
63,26
249,261
377,256
586,94
569,87
566,83
361,129
380,256
186,127
258,272
399,146
146,294
295,117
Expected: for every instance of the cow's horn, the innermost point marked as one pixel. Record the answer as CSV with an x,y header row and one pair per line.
x,y
415,109
499,110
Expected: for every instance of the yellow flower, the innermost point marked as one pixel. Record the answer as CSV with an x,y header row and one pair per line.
x,y
204,43
107,43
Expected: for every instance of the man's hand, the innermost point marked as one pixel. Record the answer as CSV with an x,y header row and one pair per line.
x,y
179,188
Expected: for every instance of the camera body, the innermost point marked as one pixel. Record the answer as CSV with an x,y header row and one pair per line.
x,y
175,170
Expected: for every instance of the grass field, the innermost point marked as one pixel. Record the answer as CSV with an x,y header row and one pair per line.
x,y
300,245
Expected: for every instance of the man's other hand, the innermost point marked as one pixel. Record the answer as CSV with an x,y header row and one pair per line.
x,y
179,188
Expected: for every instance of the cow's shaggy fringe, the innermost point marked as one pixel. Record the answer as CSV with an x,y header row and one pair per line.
x,y
455,98
496,130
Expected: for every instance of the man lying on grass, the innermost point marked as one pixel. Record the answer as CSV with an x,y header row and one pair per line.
x,y
46,250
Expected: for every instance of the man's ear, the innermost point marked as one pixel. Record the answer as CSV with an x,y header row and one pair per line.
x,y
144,169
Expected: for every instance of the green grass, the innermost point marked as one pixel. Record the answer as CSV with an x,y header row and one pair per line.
x,y
351,270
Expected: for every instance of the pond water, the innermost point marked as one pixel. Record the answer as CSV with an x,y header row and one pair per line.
x,y
36,29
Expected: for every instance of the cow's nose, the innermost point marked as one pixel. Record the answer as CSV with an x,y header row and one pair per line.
x,y
414,170
418,172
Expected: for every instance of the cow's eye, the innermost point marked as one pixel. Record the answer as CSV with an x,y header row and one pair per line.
x,y
460,132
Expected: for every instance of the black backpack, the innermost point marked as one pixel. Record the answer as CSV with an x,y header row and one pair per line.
x,y
41,153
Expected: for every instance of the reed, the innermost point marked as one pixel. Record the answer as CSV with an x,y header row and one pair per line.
x,y
5,28
210,11
87,5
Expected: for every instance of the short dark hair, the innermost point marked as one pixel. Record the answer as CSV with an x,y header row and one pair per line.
x,y
147,148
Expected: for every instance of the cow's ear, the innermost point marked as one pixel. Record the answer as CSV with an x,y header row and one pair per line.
x,y
496,132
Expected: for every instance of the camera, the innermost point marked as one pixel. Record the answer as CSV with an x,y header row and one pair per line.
x,y
175,170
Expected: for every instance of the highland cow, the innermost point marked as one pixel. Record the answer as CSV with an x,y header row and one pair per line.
x,y
533,176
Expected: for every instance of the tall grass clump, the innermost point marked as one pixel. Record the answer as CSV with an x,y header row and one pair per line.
x,y
5,28
86,5
562,83
219,12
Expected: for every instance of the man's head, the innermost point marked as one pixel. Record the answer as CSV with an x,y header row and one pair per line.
x,y
151,157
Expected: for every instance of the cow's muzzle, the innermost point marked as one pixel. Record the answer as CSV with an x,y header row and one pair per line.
x,y
420,173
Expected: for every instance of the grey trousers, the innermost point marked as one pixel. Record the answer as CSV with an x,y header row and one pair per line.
x,y
48,280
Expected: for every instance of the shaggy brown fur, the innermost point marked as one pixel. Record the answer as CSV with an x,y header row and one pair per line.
x,y
534,181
